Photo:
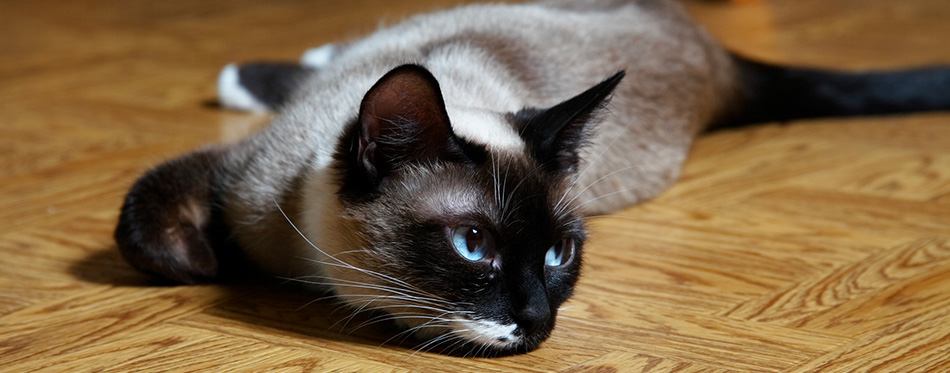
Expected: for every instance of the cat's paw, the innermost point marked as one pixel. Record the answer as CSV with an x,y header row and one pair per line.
x,y
164,223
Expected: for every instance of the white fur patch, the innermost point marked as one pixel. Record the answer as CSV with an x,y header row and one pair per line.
x,y
486,332
232,95
318,57
485,128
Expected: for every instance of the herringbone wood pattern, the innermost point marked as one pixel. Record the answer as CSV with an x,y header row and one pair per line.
x,y
816,245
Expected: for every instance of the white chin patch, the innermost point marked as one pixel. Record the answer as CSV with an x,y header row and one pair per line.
x,y
486,332
232,95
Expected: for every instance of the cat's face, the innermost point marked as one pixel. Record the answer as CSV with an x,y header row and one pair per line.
x,y
480,251
471,247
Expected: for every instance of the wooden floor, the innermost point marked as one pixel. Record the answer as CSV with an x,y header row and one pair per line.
x,y
818,245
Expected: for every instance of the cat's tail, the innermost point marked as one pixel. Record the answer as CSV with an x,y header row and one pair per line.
x,y
778,93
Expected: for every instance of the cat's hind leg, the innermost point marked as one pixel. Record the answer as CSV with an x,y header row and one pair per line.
x,y
319,57
266,86
259,86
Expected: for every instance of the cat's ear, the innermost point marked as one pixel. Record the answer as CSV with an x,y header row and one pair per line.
x,y
555,135
402,119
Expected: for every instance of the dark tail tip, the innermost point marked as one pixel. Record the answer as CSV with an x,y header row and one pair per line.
x,y
778,93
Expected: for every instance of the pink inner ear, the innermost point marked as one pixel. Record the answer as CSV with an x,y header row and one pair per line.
x,y
403,117
408,93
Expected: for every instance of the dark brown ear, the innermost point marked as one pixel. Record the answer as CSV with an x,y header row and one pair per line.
x,y
402,119
556,134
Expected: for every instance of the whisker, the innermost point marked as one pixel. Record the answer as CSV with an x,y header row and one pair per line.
x,y
504,186
405,334
435,342
614,216
341,262
315,301
365,308
505,212
568,318
559,205
361,285
431,323
346,320
460,343
399,316
558,208
494,175
401,288
419,306
606,195
591,164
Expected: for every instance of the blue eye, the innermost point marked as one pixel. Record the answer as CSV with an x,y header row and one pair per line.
x,y
560,254
471,243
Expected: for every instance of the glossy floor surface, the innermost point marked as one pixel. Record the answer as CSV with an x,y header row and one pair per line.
x,y
815,245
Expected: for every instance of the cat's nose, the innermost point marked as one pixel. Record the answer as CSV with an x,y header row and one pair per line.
x,y
533,318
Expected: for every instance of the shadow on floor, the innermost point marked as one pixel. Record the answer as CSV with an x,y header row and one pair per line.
x,y
262,303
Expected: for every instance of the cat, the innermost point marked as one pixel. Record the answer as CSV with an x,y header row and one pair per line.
x,y
440,170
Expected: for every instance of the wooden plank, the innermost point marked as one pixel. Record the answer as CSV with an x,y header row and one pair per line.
x,y
817,245
798,304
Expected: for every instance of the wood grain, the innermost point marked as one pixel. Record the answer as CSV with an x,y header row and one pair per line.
x,y
820,245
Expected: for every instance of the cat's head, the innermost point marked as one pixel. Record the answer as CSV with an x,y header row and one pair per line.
x,y
472,245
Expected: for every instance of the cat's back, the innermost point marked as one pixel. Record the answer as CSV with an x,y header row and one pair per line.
x,y
501,58
526,55
582,39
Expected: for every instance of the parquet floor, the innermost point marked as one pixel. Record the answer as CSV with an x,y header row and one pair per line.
x,y
813,246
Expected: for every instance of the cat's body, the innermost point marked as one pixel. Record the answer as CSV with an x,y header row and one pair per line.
x,y
488,64
391,173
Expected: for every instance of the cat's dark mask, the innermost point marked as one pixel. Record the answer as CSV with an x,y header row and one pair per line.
x,y
474,246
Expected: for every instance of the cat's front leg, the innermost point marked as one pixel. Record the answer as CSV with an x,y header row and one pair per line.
x,y
169,225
